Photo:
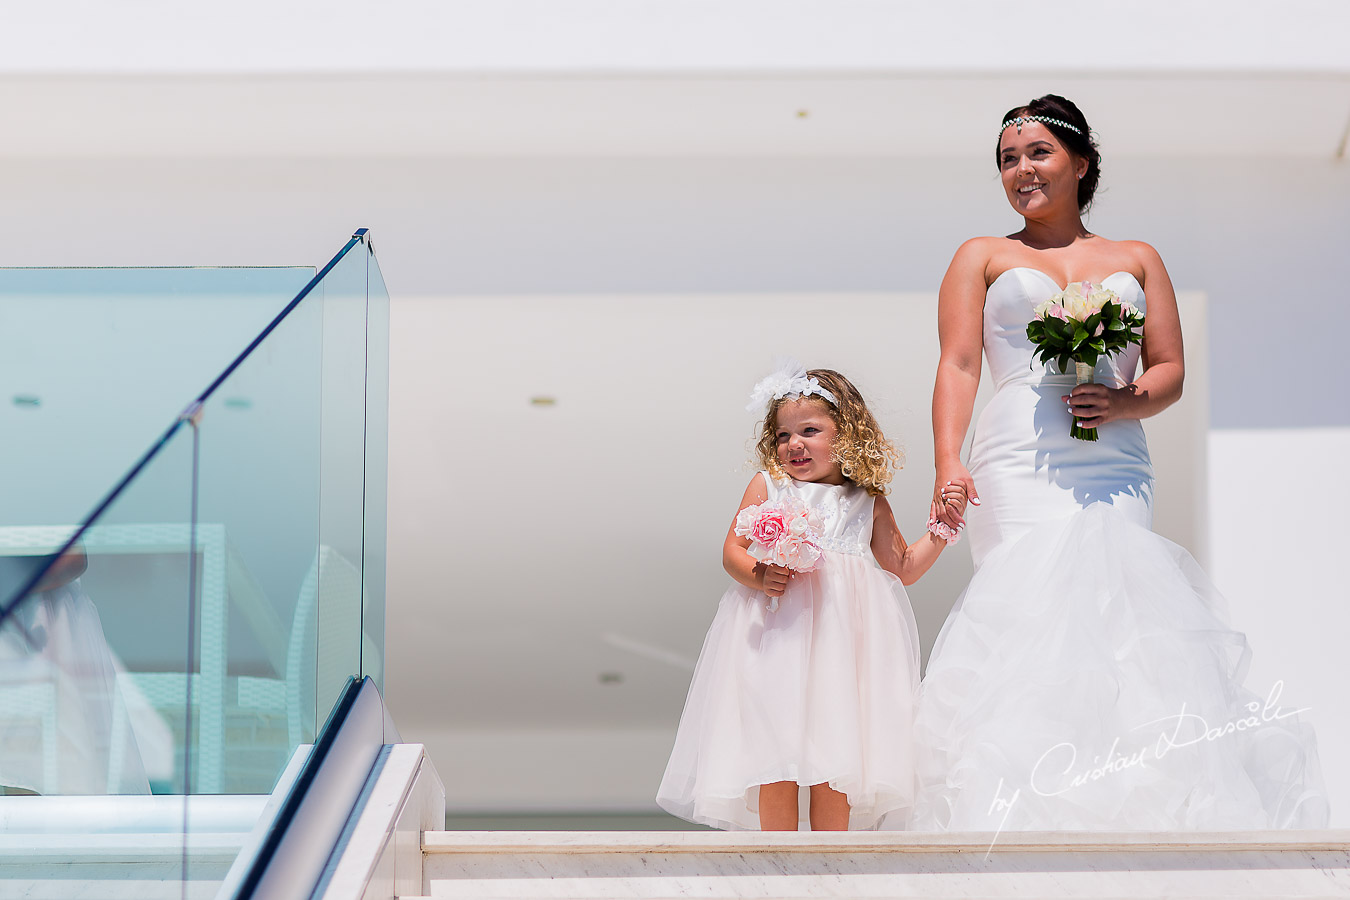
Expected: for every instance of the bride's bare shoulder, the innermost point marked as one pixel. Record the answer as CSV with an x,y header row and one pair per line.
x,y
1148,268
987,245
1141,251
976,253
1138,252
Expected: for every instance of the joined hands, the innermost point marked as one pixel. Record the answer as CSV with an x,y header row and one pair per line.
x,y
953,489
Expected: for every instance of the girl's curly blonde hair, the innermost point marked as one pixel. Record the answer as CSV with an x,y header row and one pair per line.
x,y
865,456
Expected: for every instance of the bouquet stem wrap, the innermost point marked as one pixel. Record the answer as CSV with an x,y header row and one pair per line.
x,y
1083,375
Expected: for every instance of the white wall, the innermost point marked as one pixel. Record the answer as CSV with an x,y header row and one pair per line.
x,y
1274,556
1264,238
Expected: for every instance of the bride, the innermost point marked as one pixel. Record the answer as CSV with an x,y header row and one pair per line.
x,y
1087,678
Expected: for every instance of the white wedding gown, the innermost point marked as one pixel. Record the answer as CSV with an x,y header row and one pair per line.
x,y
1088,678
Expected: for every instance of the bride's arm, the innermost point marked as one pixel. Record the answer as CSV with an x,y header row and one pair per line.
x,y
1159,385
961,335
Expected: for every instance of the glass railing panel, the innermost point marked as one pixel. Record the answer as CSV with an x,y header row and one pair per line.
x,y
342,501
376,475
259,510
95,363
235,578
283,490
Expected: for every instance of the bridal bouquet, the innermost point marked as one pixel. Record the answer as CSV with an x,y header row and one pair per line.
x,y
1079,325
784,532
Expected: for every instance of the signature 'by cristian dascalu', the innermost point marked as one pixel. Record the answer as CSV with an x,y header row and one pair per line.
x,y
1057,771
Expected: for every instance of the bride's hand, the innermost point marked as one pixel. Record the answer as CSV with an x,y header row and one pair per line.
x,y
1093,405
951,489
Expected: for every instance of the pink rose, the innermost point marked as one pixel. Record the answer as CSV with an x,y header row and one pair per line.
x,y
782,533
768,528
1059,313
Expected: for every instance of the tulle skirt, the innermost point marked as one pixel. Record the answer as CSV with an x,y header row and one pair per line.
x,y
1088,679
822,690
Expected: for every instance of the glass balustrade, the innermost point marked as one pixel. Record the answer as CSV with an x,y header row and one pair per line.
x,y
191,554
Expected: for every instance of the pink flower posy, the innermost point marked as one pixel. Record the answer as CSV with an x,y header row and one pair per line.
x,y
784,532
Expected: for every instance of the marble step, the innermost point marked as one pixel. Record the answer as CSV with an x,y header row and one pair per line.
x,y
1267,865
136,866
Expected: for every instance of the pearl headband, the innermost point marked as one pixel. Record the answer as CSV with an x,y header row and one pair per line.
x,y
1019,121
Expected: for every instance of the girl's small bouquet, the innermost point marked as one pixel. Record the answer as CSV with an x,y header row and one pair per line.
x,y
784,532
1079,325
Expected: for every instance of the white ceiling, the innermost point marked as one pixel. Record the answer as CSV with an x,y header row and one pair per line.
x,y
837,114
678,36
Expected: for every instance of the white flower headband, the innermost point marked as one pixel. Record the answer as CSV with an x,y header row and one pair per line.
x,y
788,379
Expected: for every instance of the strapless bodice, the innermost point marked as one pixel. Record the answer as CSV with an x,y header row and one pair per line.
x,y
1009,306
1026,467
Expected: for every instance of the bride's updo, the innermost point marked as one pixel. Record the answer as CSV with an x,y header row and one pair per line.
x,y
1053,106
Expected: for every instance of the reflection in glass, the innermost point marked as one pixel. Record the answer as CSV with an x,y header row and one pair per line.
x,y
65,724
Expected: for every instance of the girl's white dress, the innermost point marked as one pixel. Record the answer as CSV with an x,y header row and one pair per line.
x,y
821,691
1088,677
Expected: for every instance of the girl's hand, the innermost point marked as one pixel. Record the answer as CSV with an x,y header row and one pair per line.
x,y
1093,405
776,580
951,489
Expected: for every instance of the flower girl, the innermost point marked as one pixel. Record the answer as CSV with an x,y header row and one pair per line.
x,y
806,686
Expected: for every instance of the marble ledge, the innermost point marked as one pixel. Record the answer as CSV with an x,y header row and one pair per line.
x,y
703,842
125,849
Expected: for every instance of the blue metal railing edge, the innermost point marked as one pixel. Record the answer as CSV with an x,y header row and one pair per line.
x,y
332,742
295,795
360,236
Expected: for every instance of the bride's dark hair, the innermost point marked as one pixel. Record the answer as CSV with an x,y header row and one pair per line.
x,y
1053,106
